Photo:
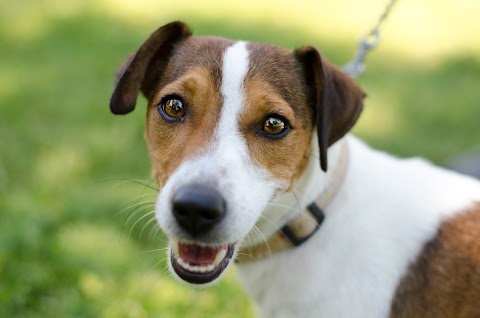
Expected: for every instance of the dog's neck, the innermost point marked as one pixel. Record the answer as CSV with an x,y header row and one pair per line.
x,y
310,187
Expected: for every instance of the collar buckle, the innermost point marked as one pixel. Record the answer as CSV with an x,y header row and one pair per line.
x,y
290,234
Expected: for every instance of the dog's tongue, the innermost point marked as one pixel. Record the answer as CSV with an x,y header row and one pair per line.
x,y
199,255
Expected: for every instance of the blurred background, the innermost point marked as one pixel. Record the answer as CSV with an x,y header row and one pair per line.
x,y
76,238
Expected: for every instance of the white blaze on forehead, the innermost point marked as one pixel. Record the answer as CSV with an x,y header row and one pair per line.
x,y
234,70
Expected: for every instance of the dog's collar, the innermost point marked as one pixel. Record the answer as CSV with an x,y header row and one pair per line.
x,y
306,224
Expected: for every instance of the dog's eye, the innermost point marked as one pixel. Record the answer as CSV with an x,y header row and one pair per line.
x,y
171,108
275,126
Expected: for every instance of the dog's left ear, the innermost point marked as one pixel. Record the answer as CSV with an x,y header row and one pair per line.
x,y
142,71
336,98
123,68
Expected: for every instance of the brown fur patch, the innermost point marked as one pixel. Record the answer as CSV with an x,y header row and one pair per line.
x,y
171,143
274,85
193,73
285,158
445,279
204,51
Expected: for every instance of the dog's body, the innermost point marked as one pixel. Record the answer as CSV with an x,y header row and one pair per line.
x,y
378,225
230,130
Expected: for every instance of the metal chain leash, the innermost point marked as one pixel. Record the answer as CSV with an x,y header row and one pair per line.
x,y
367,43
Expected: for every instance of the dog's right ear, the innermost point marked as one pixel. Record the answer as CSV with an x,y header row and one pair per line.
x,y
135,76
336,98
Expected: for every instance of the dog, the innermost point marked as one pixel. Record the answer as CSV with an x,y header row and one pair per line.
x,y
251,149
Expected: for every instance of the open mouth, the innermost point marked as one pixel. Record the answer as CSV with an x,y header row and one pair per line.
x,y
200,264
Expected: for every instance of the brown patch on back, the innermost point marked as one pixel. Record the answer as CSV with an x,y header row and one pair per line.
x,y
274,85
445,279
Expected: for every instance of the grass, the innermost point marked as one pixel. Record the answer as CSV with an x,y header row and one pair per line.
x,y
65,250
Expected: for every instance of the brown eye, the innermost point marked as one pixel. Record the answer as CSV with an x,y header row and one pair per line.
x,y
172,108
275,127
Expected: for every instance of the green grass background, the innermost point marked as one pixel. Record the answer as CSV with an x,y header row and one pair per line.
x,y
66,247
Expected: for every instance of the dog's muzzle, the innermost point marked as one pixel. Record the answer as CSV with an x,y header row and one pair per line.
x,y
197,209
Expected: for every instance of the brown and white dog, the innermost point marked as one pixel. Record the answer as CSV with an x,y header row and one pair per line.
x,y
235,133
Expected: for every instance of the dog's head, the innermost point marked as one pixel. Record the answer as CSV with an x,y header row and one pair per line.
x,y
229,125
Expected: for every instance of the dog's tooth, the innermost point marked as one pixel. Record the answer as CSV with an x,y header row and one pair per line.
x,y
189,267
195,269
175,247
220,256
182,263
206,269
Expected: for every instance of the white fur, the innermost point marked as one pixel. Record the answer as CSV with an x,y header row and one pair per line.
x,y
384,213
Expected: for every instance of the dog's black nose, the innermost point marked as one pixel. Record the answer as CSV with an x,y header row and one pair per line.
x,y
197,208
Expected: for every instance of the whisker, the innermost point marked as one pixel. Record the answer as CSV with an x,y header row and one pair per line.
x,y
145,183
263,217
245,254
154,235
149,184
154,250
135,205
296,198
139,207
166,270
132,214
160,261
259,235
283,206
145,196
299,190
262,237
136,222
146,225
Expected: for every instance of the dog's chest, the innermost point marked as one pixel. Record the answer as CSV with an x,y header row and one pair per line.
x,y
322,279
374,230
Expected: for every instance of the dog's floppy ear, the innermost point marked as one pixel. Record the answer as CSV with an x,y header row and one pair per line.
x,y
121,70
336,98
143,70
